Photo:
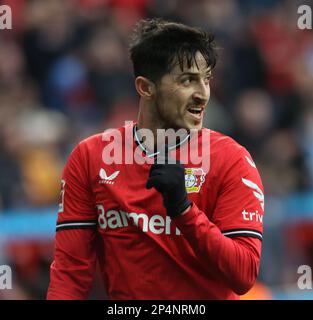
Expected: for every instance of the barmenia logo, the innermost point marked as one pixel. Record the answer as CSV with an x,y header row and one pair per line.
x,y
113,219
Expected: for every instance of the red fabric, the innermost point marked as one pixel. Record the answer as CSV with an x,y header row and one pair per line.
x,y
142,253
235,261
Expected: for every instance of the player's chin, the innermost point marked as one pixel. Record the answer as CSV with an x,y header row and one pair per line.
x,y
193,125
192,122
187,124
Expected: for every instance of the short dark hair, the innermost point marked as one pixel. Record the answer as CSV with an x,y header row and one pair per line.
x,y
158,44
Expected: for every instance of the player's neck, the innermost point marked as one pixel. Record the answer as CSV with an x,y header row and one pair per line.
x,y
147,121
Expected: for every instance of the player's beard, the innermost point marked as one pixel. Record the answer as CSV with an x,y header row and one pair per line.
x,y
161,120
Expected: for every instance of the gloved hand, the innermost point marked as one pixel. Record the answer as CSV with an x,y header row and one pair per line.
x,y
169,180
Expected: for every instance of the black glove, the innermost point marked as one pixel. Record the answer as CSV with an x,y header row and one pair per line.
x,y
169,180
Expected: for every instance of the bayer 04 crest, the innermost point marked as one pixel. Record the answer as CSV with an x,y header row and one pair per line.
x,y
194,178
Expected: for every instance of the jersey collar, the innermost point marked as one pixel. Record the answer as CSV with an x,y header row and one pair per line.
x,y
149,154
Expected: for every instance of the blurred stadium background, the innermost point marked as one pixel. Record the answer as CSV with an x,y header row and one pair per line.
x,y
65,74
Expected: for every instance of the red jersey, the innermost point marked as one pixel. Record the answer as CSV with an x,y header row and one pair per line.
x,y
107,215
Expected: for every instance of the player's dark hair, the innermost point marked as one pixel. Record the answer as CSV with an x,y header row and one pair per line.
x,y
157,45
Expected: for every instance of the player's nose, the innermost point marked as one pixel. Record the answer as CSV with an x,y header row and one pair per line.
x,y
202,93
200,99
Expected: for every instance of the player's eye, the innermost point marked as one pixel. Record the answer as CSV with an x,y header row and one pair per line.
x,y
207,79
186,81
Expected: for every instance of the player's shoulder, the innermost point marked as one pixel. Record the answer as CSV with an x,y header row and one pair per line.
x,y
229,157
98,141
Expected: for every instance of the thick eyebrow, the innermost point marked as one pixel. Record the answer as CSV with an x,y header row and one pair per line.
x,y
208,72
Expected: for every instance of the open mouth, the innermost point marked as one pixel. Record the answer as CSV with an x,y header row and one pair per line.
x,y
196,112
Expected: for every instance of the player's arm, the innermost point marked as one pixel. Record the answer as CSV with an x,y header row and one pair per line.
x,y
230,244
234,260
71,273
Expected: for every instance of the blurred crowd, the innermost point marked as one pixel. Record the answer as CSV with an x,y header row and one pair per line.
x,y
65,74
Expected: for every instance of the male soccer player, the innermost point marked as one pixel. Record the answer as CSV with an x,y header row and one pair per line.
x,y
161,230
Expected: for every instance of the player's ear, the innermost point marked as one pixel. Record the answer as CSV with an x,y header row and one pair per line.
x,y
145,87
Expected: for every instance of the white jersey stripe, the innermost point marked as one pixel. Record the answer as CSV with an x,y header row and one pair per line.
x,y
76,224
243,232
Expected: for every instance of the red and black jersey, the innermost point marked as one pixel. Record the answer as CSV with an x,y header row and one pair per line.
x,y
107,215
